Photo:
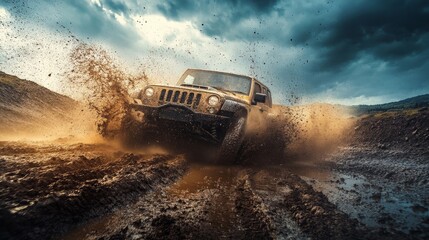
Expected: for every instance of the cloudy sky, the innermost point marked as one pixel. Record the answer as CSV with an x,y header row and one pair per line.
x,y
339,51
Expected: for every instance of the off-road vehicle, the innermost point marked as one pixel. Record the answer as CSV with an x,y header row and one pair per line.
x,y
209,105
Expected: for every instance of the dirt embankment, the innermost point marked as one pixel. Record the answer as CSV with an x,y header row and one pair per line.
x,y
31,112
27,107
384,173
395,129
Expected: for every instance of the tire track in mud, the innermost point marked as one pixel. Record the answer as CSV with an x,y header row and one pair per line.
x,y
214,202
297,211
253,212
44,198
207,203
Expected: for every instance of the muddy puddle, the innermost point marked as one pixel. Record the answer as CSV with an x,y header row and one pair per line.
x,y
375,203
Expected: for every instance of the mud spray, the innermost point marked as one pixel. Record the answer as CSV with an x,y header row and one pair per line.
x,y
317,130
296,133
103,86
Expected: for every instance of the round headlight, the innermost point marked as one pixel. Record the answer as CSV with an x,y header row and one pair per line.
x,y
213,100
149,92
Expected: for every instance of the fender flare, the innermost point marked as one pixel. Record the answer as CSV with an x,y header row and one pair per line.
x,y
234,109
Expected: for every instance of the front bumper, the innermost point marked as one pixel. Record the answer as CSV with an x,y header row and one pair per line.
x,y
174,112
174,119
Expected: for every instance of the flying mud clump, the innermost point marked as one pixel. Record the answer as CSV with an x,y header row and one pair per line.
x,y
103,86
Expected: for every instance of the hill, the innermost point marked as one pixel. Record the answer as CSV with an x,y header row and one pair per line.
x,y
409,103
28,107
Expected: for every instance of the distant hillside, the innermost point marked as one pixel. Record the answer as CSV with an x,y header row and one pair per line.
x,y
25,106
414,102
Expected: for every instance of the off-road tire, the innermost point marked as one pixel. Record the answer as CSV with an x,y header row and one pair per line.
x,y
232,141
129,132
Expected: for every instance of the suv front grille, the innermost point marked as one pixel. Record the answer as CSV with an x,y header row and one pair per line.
x,y
183,97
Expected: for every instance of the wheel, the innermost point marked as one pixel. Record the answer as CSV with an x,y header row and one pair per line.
x,y
130,132
232,141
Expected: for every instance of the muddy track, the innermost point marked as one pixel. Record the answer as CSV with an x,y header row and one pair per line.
x,y
201,205
229,203
98,192
44,197
253,212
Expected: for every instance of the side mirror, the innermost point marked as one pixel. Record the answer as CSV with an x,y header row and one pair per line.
x,y
260,97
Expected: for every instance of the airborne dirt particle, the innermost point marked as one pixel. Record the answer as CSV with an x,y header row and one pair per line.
x,y
103,85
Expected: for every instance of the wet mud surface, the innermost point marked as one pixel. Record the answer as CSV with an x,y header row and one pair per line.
x,y
93,191
47,189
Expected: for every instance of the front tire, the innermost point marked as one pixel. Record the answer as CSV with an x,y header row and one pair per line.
x,y
232,141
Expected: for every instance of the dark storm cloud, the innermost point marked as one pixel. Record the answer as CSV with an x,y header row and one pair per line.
x,y
216,18
387,30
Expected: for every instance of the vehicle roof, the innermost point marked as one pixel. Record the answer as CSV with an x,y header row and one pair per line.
x,y
239,75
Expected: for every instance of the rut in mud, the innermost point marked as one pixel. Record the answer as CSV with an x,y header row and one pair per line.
x,y
45,190
56,191
214,202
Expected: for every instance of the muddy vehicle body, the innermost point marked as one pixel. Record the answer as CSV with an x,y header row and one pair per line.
x,y
203,105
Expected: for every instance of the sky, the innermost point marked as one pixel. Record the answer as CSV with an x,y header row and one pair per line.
x,y
335,51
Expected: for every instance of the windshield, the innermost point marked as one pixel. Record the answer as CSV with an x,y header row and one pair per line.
x,y
221,81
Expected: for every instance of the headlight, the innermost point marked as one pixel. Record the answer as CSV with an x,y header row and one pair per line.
x,y
213,100
149,92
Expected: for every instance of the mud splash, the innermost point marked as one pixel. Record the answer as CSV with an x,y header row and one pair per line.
x,y
103,85
319,129
296,133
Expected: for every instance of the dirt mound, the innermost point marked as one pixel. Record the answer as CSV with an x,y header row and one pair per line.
x,y
396,129
29,108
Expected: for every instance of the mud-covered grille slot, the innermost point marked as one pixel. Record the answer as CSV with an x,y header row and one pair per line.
x,y
170,92
183,97
176,96
190,98
197,100
162,95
